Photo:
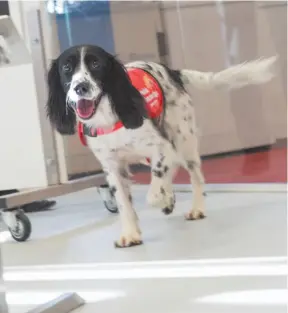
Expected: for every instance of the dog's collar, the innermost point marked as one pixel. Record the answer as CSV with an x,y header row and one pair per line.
x,y
84,130
150,90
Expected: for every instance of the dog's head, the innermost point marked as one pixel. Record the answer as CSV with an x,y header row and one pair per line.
x,y
87,83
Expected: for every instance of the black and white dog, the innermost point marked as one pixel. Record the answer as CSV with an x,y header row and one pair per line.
x,y
115,105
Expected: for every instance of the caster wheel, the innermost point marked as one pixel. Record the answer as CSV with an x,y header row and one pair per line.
x,y
108,198
23,229
111,207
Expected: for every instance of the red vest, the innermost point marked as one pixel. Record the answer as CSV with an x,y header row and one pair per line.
x,y
149,89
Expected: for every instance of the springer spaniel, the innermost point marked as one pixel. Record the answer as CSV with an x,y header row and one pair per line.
x,y
140,111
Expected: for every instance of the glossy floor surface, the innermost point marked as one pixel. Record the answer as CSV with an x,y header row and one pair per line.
x,y
232,261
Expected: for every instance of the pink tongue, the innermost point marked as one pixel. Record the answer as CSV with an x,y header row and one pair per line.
x,y
85,108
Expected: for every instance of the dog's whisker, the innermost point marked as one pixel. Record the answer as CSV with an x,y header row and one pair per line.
x,y
69,107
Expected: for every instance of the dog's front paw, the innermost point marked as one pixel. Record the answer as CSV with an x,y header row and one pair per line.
x,y
129,239
170,207
195,214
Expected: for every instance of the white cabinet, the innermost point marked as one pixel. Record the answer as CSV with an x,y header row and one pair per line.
x,y
22,159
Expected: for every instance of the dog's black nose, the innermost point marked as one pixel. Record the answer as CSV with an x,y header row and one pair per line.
x,y
82,88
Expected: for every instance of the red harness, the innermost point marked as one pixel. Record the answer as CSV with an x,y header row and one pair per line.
x,y
149,89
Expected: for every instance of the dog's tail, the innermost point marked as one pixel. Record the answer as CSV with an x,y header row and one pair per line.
x,y
254,72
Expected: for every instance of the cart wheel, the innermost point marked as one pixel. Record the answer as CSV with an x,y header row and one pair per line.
x,y
108,198
111,207
23,229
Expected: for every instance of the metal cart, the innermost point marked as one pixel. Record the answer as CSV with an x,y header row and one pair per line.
x,y
18,222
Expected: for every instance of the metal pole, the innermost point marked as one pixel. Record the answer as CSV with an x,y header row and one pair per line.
x,y
182,35
3,303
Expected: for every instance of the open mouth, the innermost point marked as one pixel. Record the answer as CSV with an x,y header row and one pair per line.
x,y
86,108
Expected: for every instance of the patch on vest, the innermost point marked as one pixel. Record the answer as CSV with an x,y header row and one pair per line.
x,y
149,89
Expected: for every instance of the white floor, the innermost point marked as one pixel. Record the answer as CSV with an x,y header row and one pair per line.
x,y
232,261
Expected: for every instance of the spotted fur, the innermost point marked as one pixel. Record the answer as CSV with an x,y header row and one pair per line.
x,y
169,142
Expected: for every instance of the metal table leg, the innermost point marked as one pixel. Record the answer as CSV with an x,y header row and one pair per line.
x,y
3,303
66,303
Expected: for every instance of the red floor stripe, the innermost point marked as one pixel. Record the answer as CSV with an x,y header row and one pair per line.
x,y
261,167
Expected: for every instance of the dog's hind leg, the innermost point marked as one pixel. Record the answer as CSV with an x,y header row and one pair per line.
x,y
198,206
192,163
160,192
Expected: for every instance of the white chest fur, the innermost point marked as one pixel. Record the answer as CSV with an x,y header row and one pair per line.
x,y
129,145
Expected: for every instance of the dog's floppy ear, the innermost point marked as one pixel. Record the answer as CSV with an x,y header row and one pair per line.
x,y
61,117
126,100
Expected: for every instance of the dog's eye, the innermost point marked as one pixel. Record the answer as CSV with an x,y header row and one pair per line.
x,y
67,67
94,65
